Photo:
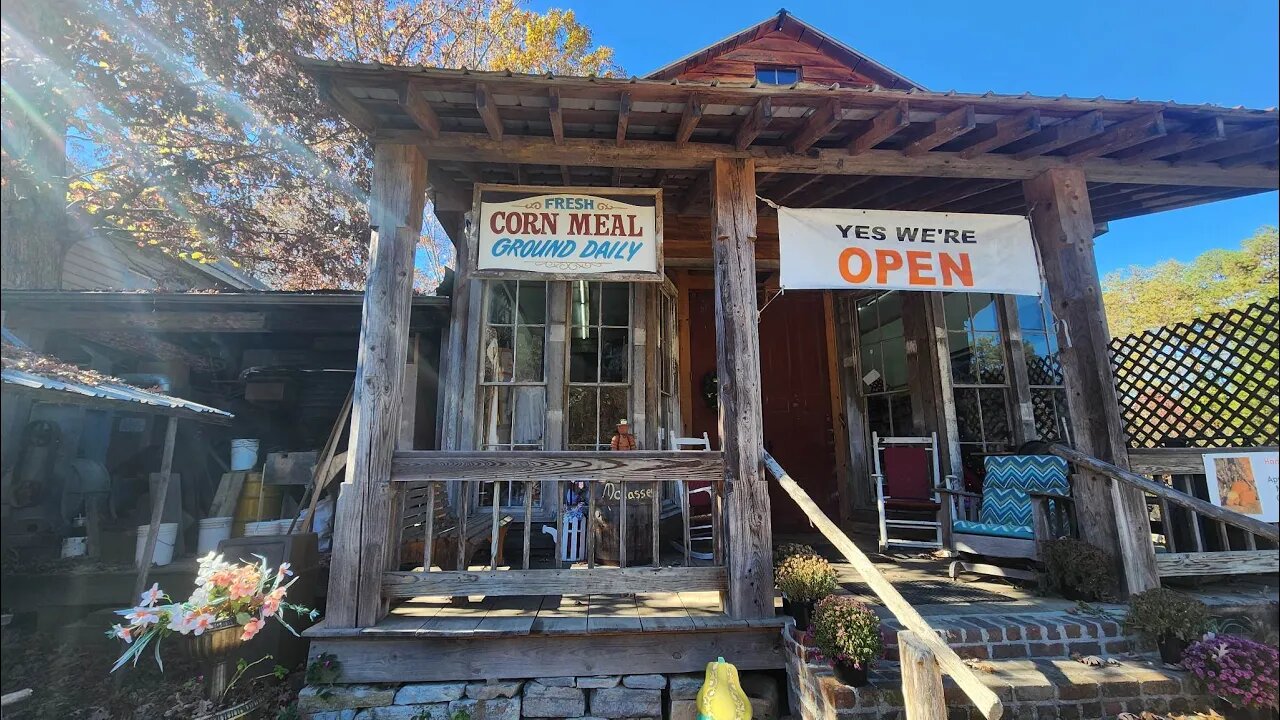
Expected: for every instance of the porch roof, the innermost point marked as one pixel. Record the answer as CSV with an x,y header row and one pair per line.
x,y
814,145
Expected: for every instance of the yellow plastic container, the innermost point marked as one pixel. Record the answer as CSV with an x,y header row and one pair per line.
x,y
721,696
256,502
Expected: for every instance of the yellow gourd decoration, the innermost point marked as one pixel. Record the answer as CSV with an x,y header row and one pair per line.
x,y
721,696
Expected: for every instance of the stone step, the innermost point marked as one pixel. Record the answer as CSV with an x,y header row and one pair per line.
x,y
1032,688
1009,636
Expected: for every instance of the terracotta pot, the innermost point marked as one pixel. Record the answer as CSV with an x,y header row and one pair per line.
x,y
1171,648
851,675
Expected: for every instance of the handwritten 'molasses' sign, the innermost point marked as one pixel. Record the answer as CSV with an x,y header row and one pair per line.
x,y
832,248
570,233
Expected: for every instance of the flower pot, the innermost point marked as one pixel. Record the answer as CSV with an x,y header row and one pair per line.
x,y
212,648
1171,648
850,674
803,613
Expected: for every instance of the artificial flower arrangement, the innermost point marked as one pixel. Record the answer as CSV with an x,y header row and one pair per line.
x,y
226,595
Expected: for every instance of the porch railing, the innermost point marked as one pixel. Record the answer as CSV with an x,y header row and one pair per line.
x,y
617,480
1198,538
928,656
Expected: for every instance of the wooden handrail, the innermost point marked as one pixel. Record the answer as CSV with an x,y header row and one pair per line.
x,y
1164,492
981,695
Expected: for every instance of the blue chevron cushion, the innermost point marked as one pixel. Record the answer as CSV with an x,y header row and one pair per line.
x,y
980,528
1010,477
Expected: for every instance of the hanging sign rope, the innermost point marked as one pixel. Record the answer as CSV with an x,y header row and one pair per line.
x,y
832,248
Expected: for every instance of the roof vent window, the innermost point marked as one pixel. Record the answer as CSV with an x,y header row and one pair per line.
x,y
778,75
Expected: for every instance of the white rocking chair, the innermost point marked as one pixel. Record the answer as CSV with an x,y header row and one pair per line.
x,y
701,532
907,480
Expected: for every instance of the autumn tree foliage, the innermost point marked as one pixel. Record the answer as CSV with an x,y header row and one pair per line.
x,y
185,126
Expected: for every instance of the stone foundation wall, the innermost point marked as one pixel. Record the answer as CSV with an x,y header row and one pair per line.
x,y
614,697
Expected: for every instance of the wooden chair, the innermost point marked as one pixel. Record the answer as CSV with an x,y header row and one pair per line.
x,y
1025,500
444,530
907,478
701,534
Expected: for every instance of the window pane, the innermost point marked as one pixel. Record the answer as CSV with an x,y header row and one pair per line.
x,y
583,313
533,303
786,76
501,295
1044,409
1043,367
989,354
615,301
614,360
582,416
497,416
1030,315
529,353
498,354
962,370
879,419
529,416
955,306
995,416
890,307
867,317
871,362
613,407
895,364
584,354
968,415
984,312
901,408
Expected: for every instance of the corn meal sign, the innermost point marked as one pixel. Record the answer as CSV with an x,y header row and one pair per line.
x,y
616,235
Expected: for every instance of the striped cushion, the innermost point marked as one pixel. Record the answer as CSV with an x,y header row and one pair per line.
x,y
1009,479
980,528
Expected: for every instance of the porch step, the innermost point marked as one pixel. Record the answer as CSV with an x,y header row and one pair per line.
x,y
1039,688
1009,636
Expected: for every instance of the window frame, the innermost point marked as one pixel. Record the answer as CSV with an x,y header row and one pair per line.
x,y
775,69
984,445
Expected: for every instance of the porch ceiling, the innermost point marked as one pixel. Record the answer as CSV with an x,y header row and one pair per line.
x,y
826,146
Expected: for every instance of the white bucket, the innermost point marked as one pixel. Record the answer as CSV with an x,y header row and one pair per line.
x,y
212,531
74,547
258,529
163,554
244,454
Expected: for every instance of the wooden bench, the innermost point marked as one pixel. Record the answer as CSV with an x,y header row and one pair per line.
x,y
444,530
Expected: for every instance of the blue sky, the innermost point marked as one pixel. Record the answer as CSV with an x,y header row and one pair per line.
x,y
1223,53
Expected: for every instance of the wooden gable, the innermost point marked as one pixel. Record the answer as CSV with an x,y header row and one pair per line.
x,y
783,41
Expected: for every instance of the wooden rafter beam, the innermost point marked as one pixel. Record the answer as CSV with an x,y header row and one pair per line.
x,y
1206,132
1002,132
1061,135
999,193
488,111
624,117
943,130
477,147
416,107
1118,137
798,186
348,106
754,122
899,199
837,188
566,178
956,192
689,119
555,115
1245,142
882,188
820,122
883,126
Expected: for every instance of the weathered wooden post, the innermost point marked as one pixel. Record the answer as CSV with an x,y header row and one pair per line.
x,y
1111,515
362,545
922,696
750,562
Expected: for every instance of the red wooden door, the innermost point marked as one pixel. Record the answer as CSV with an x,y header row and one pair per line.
x,y
795,390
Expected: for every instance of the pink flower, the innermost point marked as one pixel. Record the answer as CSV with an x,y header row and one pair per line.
x,y
271,604
124,633
200,623
283,572
252,627
152,596
142,617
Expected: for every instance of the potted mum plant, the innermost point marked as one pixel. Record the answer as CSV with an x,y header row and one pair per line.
x,y
231,603
1077,570
848,634
1171,618
782,552
1239,671
803,580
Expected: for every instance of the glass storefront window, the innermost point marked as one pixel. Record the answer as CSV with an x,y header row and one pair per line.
x,y
599,363
979,373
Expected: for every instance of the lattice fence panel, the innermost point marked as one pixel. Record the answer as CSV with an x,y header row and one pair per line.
x,y
1211,382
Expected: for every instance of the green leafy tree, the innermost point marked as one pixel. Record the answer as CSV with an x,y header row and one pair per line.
x,y
1140,298
185,126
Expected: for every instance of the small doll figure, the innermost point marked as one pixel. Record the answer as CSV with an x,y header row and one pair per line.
x,y
624,440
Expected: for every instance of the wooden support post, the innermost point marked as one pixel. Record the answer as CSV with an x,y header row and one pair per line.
x,y
921,680
157,505
1111,515
362,540
733,210
1023,422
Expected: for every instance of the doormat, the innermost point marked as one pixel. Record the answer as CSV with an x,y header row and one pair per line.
x,y
930,592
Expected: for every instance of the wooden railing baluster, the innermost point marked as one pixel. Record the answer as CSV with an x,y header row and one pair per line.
x,y
921,679
656,512
429,527
685,507
1223,537
493,527
589,522
1166,524
717,507
622,524
560,508
1249,542
528,522
464,505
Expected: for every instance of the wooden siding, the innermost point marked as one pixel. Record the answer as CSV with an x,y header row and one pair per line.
x,y
776,49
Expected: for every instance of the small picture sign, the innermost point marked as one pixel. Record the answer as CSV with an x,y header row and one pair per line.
x,y
568,233
1248,483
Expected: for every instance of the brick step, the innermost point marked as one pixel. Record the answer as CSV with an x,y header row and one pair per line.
x,y
1025,635
1036,688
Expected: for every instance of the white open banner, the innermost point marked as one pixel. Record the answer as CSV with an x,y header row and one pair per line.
x,y
832,248
571,233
